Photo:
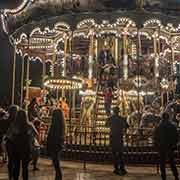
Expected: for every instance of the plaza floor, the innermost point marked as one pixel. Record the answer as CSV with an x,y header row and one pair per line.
x,y
75,171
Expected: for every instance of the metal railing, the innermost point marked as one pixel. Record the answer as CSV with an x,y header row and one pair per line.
x,y
88,144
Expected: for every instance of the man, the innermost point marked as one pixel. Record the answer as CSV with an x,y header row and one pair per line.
x,y
165,139
118,126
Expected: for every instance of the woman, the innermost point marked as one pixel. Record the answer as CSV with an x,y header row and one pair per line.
x,y
55,140
21,136
12,116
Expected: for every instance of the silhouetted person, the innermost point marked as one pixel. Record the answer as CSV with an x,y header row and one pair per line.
x,y
20,137
55,140
118,126
12,115
165,140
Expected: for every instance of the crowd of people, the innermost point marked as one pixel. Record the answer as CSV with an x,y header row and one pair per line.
x,y
20,139
21,129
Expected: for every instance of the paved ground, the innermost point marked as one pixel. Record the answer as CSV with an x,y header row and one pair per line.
x,y
74,171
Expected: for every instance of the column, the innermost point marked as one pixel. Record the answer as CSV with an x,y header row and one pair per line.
x,y
53,60
14,74
27,79
27,84
65,57
91,53
65,61
74,103
22,82
172,65
156,60
138,70
96,54
116,50
125,56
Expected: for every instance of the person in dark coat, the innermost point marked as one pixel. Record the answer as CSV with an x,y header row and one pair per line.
x,y
118,126
55,140
165,141
12,116
20,137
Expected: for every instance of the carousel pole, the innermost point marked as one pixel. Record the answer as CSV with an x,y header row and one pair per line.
x,y
74,102
138,63
22,82
53,60
91,53
172,65
156,45
125,55
116,50
14,75
44,73
65,61
27,78
96,53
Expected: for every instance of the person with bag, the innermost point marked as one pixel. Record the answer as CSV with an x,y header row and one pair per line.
x,y
55,141
20,137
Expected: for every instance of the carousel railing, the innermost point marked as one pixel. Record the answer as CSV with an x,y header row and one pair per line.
x,y
92,145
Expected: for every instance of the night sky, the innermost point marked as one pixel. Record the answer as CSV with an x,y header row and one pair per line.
x,y
6,64
6,56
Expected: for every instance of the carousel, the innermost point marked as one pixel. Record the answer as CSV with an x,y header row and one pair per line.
x,y
88,46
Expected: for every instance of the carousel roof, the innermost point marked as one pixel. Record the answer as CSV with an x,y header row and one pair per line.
x,y
43,13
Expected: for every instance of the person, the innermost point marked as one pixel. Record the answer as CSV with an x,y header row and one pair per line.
x,y
33,110
20,139
108,101
12,111
165,141
55,140
118,126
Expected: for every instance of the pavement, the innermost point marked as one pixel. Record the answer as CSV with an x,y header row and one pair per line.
x,y
75,171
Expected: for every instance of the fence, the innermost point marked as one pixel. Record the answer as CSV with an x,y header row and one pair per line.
x,y
89,144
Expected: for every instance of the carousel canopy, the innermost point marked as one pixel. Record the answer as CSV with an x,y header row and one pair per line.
x,y
31,13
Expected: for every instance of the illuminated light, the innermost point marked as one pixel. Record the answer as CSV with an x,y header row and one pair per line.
x,y
86,23
62,24
23,5
152,23
63,84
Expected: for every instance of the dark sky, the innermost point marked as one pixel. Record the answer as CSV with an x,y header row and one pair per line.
x,y
9,3
6,62
6,55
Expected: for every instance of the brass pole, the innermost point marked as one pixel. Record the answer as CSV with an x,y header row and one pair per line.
x,y
22,82
125,57
116,50
172,66
14,76
91,53
27,79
